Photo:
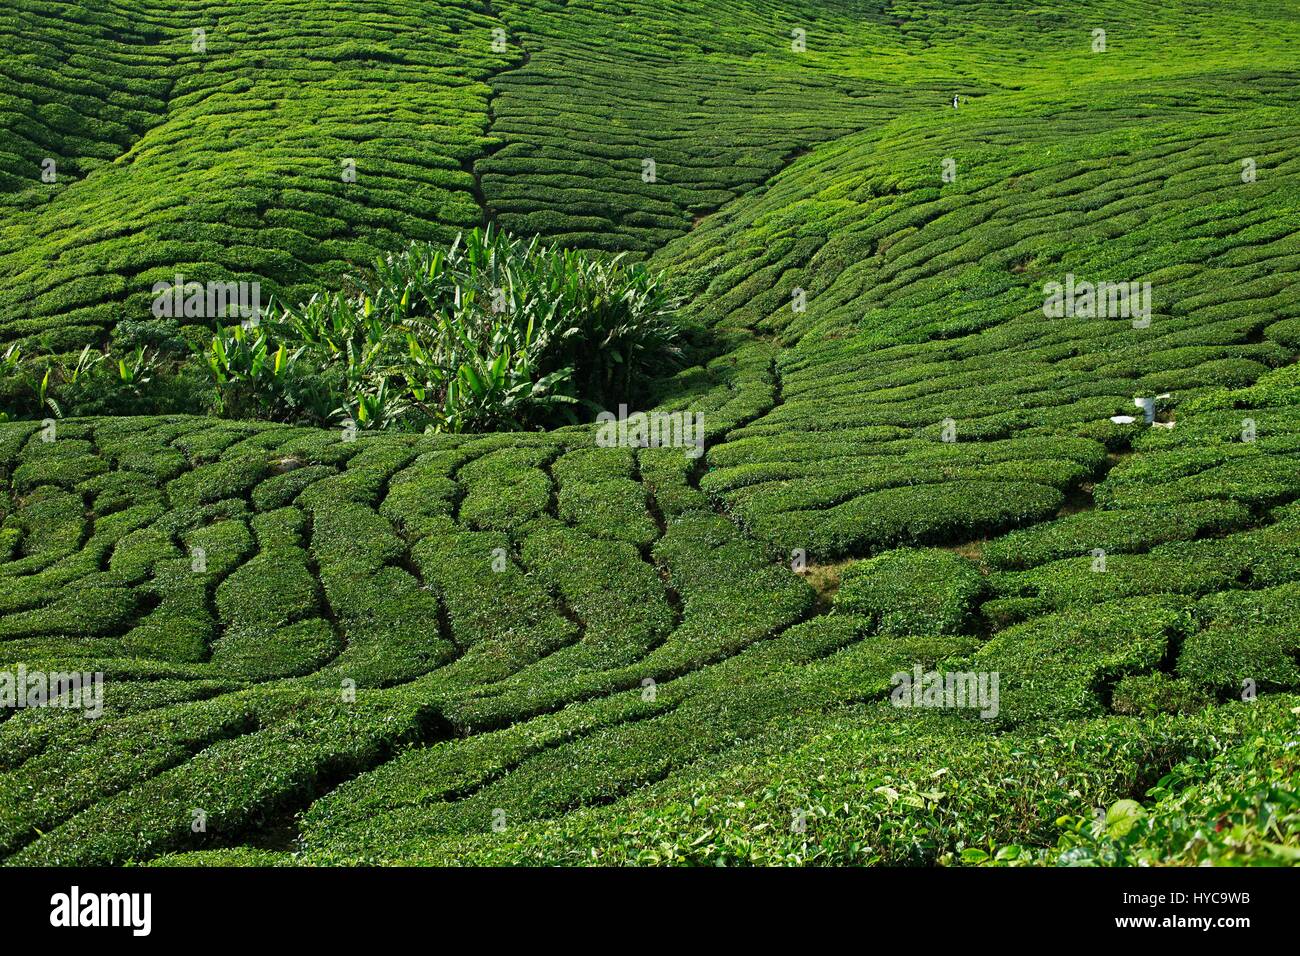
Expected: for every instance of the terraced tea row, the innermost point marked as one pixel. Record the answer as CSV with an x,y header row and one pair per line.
x,y
226,141
274,145
262,585
320,647
926,395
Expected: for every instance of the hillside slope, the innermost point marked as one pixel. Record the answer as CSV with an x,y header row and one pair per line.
x,y
527,648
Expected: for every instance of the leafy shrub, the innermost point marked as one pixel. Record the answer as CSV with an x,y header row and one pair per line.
x,y
1249,636
1056,665
877,785
909,515
912,591
239,781
1144,695
130,381
254,379
1233,807
162,335
1183,567
494,332
1113,531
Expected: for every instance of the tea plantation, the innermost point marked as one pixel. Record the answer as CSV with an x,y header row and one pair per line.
x,y
325,646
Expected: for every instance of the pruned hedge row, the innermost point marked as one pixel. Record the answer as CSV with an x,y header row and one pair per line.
x,y
293,185
873,785
1060,665
917,342
911,591
396,646
1115,532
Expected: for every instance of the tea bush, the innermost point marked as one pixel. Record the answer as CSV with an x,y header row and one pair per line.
x,y
361,629
909,591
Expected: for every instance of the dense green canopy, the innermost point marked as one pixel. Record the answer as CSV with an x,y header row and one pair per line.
x,y
530,647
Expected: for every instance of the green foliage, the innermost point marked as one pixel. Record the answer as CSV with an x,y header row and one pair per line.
x,y
1115,532
1236,807
1248,642
1054,666
493,332
909,591
1156,693
254,380
379,637
869,786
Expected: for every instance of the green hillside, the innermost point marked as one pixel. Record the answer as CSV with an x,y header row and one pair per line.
x,y
344,647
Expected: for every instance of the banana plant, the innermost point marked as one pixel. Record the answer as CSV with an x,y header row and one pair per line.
x,y
491,332
139,371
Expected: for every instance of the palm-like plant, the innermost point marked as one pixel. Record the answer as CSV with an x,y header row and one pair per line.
x,y
492,332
